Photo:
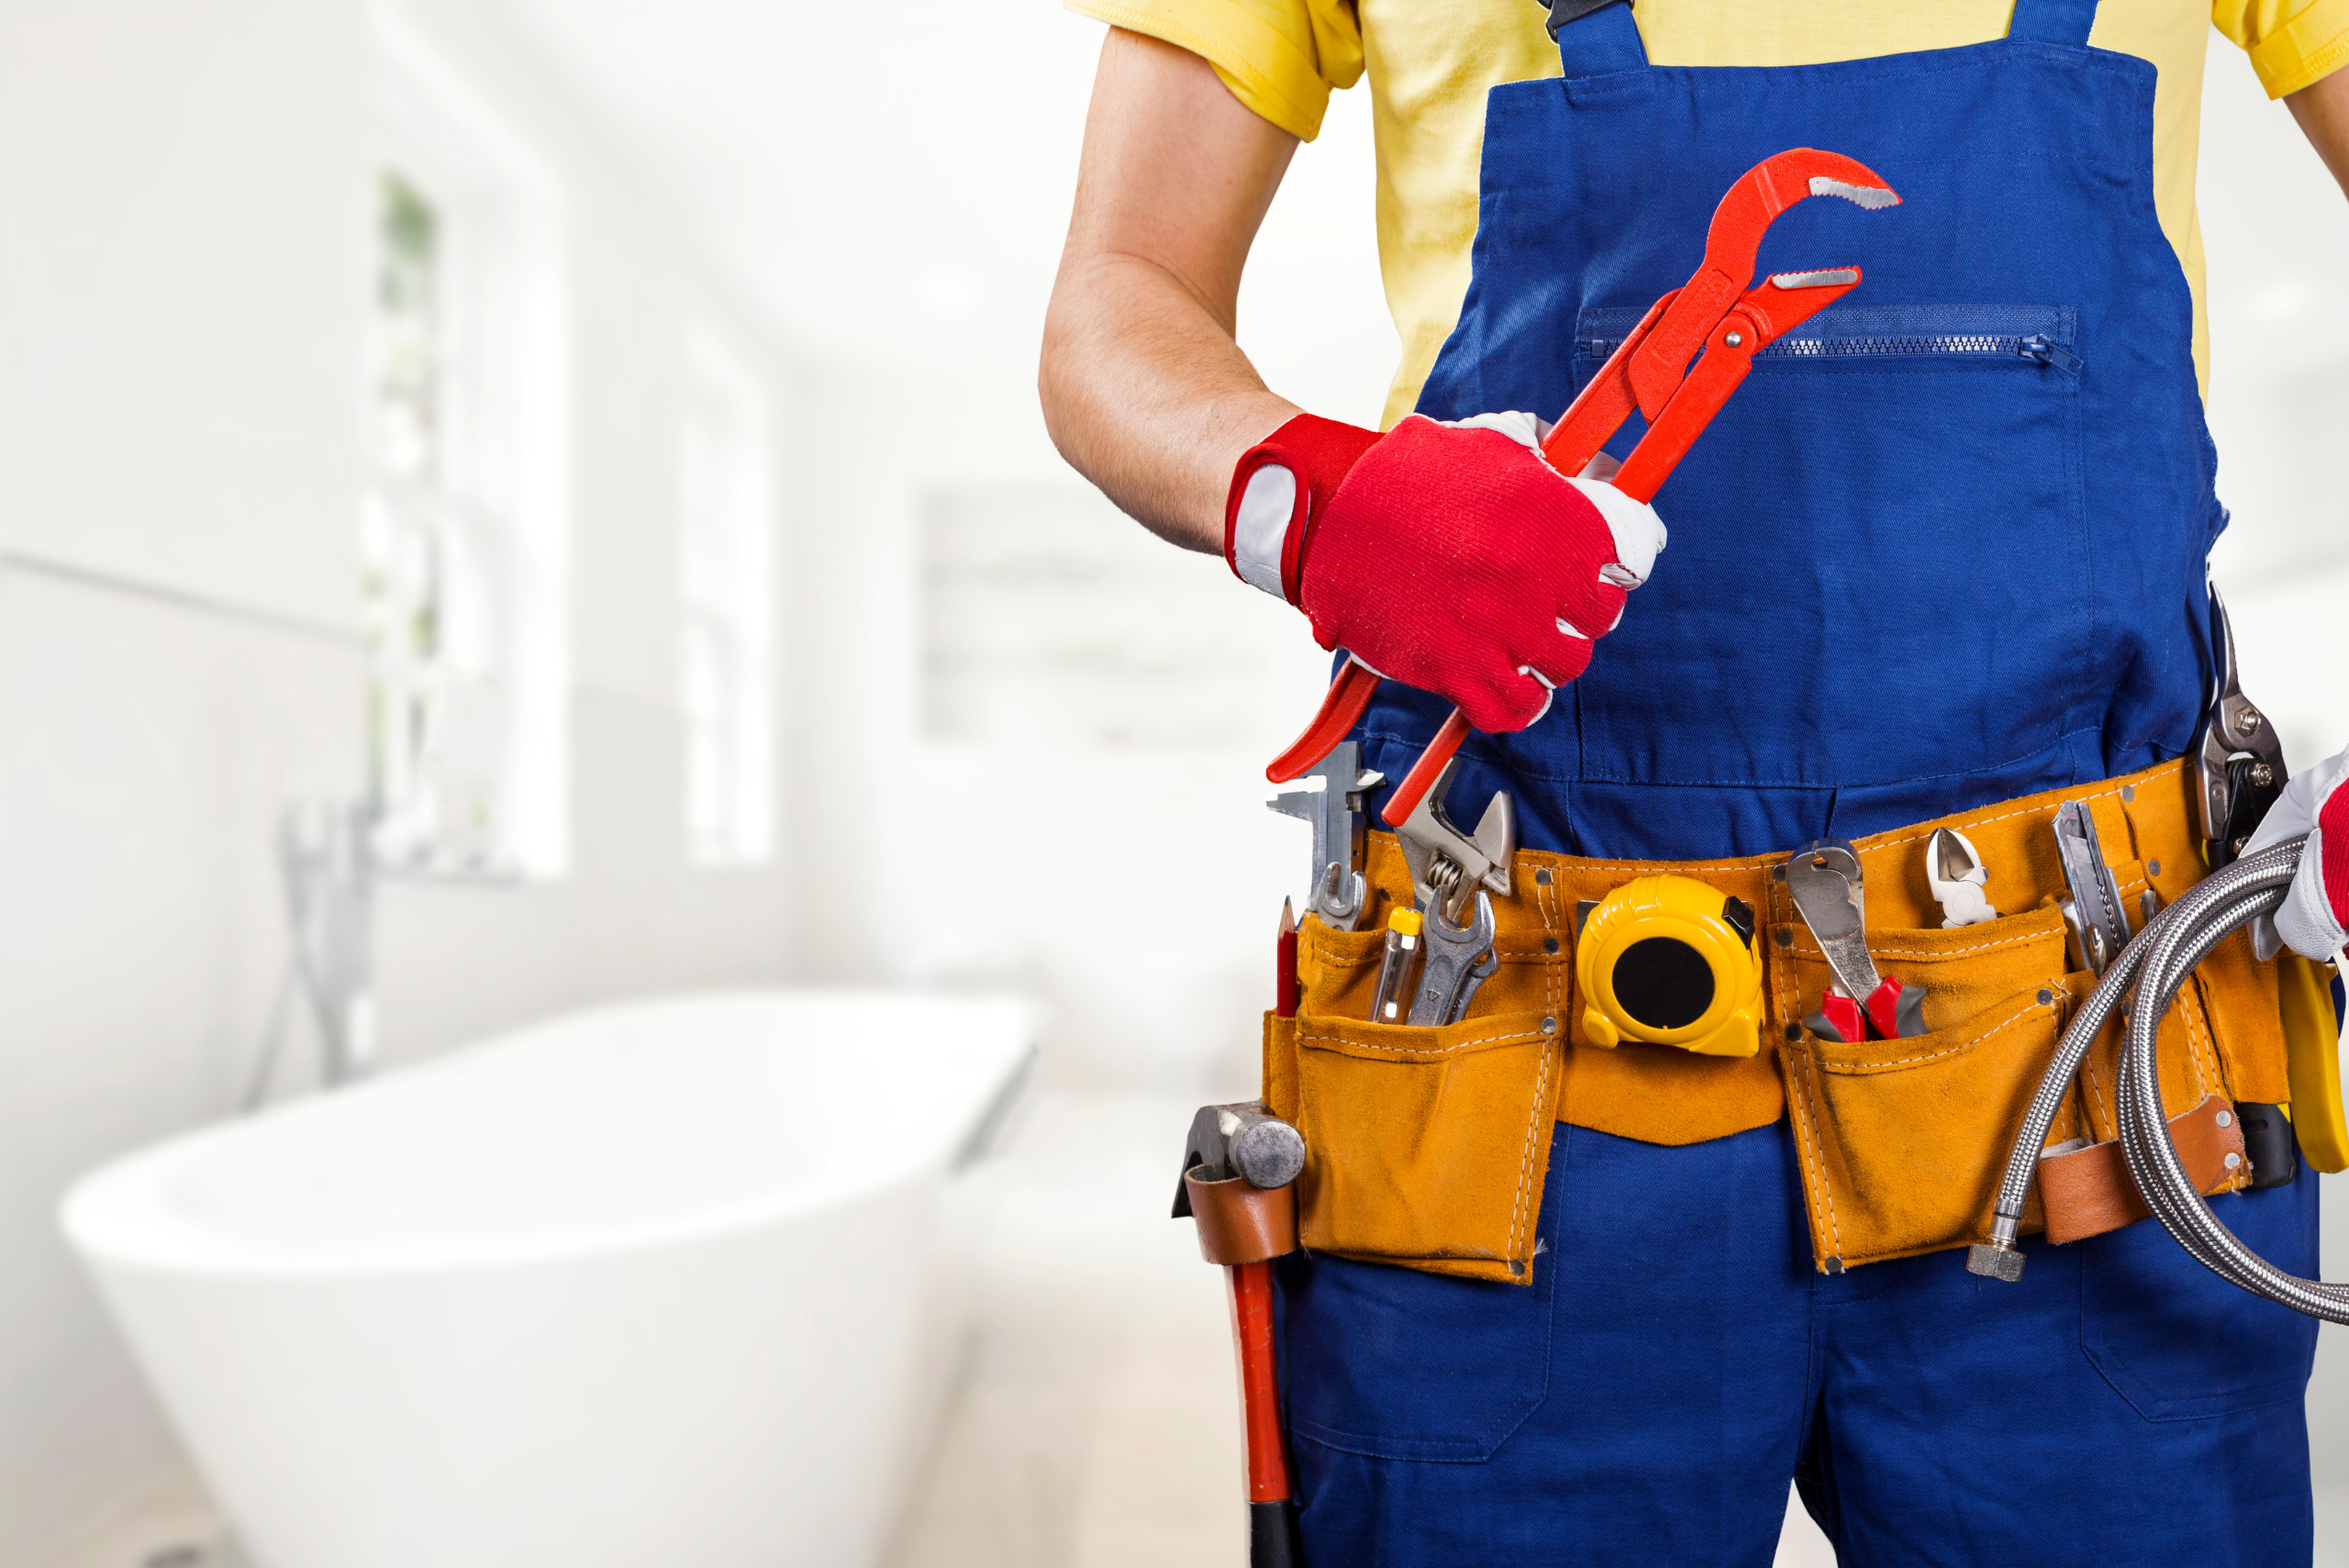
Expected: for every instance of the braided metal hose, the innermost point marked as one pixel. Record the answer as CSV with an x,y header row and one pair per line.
x,y
2156,964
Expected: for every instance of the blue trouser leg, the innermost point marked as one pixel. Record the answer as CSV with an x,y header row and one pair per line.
x,y
1677,1360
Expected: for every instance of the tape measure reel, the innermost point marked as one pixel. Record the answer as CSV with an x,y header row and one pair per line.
x,y
1669,961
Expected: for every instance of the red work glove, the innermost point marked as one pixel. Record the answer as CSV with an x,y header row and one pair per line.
x,y
1451,557
2315,915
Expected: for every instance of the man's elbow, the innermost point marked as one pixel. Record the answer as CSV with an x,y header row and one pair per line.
x,y
1059,372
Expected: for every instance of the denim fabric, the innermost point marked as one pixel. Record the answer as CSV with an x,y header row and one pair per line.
x,y
1677,1361
1928,570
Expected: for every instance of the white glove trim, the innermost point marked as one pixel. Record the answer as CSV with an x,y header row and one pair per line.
x,y
1640,534
2305,922
1260,528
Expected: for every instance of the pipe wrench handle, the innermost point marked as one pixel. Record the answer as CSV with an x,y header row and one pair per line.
x,y
1341,709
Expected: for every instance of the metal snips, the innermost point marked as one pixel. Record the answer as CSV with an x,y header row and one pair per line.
x,y
2239,764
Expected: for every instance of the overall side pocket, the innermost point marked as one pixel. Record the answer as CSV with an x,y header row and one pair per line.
x,y
1426,1147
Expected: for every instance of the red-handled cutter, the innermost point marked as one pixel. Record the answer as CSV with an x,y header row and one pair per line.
x,y
1715,318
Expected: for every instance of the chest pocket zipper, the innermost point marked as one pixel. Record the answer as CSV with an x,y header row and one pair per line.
x,y
1878,426
2041,334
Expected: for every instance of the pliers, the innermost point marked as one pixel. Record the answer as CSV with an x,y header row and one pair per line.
x,y
1716,319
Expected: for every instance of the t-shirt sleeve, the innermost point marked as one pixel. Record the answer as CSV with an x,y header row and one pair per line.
x,y
2291,43
1281,58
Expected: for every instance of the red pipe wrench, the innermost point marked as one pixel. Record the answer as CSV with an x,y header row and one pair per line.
x,y
1715,318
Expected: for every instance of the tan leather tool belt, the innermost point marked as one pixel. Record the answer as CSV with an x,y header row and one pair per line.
x,y
1428,1147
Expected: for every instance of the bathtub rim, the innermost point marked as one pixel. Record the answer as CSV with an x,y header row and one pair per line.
x,y
117,1219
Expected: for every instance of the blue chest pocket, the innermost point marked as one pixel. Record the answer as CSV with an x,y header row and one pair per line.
x,y
1878,559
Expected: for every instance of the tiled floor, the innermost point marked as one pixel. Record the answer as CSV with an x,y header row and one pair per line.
x,y
1097,1424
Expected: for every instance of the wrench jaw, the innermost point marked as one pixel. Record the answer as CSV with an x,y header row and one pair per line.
x,y
1444,860
1341,897
1458,957
1732,244
1334,812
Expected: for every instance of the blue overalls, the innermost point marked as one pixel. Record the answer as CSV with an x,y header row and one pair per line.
x,y
1944,549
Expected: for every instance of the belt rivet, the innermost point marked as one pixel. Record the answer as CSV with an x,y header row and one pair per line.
x,y
2045,996
2226,1118
1548,944
2153,867
1549,1026
1784,936
1542,877
2128,793
2232,1161
1794,1031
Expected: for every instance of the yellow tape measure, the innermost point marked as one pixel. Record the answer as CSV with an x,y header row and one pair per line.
x,y
1669,961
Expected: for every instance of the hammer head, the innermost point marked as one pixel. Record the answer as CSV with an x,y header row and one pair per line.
x,y
1246,1141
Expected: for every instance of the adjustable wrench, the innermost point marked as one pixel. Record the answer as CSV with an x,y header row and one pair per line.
x,y
1714,319
1447,866
1445,861
1459,959
1337,892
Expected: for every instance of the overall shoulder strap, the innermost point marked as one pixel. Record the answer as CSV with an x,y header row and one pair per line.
x,y
1596,36
2054,21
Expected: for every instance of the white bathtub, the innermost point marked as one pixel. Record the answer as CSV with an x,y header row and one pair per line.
x,y
663,1285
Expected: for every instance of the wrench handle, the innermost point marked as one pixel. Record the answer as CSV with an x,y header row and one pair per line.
x,y
1340,710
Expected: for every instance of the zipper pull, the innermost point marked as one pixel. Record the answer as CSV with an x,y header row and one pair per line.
x,y
2048,352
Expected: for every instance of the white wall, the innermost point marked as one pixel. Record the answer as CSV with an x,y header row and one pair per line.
x,y
1136,888
184,210
2277,234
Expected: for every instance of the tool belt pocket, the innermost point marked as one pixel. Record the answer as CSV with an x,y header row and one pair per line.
x,y
1425,1146
1902,1141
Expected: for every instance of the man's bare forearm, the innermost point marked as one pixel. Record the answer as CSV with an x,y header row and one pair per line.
x,y
1144,388
2322,109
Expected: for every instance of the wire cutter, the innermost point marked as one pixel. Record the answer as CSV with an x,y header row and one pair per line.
x,y
1716,319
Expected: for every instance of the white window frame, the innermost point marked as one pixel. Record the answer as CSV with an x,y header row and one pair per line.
x,y
726,605
501,495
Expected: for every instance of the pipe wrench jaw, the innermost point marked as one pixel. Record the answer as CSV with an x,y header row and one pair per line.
x,y
1732,243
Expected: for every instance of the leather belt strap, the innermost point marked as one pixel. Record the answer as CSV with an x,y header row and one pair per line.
x,y
1239,1223
2086,1188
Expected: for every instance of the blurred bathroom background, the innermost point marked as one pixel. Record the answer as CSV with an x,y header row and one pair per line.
x,y
603,433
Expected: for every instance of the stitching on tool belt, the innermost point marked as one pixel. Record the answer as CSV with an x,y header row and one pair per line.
x,y
1966,1045
2049,811
1322,950
2018,939
1543,895
1819,1157
1505,1037
2195,1008
2097,1100
1782,912
1525,1166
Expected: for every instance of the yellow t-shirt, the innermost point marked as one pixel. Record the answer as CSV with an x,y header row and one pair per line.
x,y
1431,62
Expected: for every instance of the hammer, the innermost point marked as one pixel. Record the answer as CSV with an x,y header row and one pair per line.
x,y
1236,1166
